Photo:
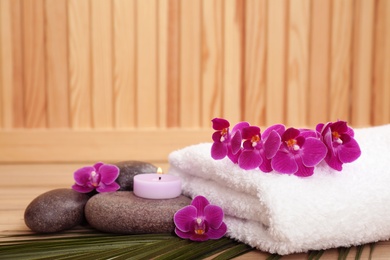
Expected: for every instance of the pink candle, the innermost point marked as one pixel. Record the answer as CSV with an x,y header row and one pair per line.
x,y
157,186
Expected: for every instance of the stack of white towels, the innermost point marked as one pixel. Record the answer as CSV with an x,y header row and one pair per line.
x,y
285,214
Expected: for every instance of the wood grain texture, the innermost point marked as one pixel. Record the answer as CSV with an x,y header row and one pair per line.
x,y
212,60
34,65
298,62
17,97
381,69
124,64
233,53
254,102
173,65
80,64
60,145
6,65
162,60
319,63
146,92
340,64
190,63
276,61
57,64
362,65
102,55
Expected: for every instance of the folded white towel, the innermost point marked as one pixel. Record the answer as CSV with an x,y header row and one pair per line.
x,y
284,214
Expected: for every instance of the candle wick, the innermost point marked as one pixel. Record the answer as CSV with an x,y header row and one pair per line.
x,y
159,178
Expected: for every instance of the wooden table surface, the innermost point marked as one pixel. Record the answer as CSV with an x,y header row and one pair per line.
x,y
21,183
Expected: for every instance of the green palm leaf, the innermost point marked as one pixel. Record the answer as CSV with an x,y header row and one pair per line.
x,y
93,245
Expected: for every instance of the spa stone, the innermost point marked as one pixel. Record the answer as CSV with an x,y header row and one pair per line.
x,y
56,210
128,169
124,213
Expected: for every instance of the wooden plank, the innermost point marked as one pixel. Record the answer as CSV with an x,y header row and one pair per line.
x,y
173,65
34,64
190,63
298,62
233,53
212,60
79,63
146,24
102,82
81,146
340,79
276,61
319,73
6,64
362,63
17,98
254,104
381,70
162,83
57,63
169,63
124,63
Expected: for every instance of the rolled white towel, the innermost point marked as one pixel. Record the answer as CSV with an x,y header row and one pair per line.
x,y
284,214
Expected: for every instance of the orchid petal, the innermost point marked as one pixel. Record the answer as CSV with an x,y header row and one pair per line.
x,y
200,202
181,234
98,165
108,173
249,159
200,238
220,123
290,133
283,162
234,157
82,189
250,131
213,215
334,162
218,151
217,136
279,128
265,166
235,142
82,175
238,127
339,127
313,152
217,233
303,171
349,151
272,144
184,217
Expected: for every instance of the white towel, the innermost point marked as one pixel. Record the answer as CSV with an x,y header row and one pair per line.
x,y
285,214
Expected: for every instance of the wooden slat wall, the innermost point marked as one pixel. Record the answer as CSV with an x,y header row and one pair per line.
x,y
133,65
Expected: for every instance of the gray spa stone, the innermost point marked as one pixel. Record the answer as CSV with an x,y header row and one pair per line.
x,y
124,213
56,210
128,169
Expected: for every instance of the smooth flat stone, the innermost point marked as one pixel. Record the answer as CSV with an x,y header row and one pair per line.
x,y
128,169
56,210
123,212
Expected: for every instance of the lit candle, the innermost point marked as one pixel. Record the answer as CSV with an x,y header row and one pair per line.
x,y
157,185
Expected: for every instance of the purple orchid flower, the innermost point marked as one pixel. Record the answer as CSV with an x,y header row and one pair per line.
x,y
200,221
100,177
257,149
342,147
224,140
297,154
221,138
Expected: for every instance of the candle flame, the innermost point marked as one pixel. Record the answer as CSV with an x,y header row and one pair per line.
x,y
159,170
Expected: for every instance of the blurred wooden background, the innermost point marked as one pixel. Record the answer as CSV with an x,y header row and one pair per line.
x,y
87,80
